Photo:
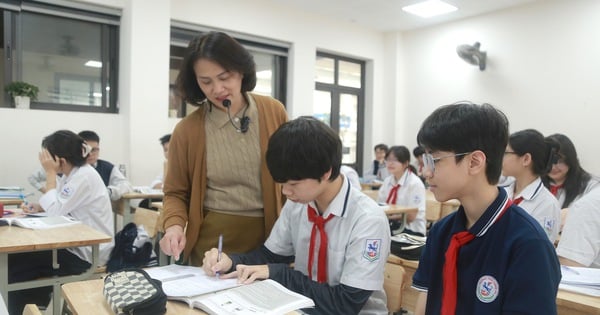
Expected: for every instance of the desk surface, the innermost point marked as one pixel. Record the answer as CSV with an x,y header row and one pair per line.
x,y
16,239
11,202
83,296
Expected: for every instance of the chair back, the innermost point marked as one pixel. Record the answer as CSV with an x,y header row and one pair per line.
x,y
148,218
31,309
393,285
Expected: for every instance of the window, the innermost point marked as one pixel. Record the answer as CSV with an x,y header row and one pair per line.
x,y
70,54
270,58
339,101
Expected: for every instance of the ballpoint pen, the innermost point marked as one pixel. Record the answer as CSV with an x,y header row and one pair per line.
x,y
220,250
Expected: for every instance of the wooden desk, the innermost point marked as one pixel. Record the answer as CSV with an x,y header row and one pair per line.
x,y
370,186
395,212
11,202
83,296
571,303
18,240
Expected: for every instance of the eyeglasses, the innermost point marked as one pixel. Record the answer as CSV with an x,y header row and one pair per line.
x,y
391,160
429,161
95,150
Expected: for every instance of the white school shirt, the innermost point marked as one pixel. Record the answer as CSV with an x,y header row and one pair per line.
x,y
561,195
352,176
540,204
580,238
358,243
82,196
412,193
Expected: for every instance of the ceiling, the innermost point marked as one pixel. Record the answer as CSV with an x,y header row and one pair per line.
x,y
387,15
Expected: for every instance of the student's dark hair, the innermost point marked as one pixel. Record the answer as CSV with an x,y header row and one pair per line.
x,y
542,151
89,135
66,144
381,146
400,152
164,139
577,178
418,151
465,127
221,49
304,148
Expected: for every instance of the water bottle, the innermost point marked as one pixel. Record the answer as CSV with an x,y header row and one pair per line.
x,y
123,169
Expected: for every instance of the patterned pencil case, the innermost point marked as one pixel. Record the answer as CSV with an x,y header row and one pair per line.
x,y
132,291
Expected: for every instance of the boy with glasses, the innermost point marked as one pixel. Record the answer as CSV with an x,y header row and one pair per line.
x,y
494,258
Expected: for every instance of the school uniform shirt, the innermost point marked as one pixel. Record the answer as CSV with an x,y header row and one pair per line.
x,y
411,193
82,196
540,204
580,238
358,244
352,176
561,194
510,267
377,172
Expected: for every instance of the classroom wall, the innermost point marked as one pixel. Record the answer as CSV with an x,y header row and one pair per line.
x,y
543,71
131,137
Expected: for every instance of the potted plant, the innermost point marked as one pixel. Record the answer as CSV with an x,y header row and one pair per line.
x,y
22,92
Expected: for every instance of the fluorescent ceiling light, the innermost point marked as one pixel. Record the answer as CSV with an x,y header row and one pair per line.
x,y
93,64
430,8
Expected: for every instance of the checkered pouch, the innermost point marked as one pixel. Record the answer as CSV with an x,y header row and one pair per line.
x,y
132,291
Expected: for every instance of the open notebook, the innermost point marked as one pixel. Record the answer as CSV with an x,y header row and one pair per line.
x,y
39,222
226,296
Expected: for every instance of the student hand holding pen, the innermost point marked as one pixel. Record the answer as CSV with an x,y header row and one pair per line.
x,y
244,273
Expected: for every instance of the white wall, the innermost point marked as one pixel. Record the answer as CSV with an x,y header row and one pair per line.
x,y
131,137
543,71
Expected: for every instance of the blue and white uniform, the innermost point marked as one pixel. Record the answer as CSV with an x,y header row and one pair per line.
x,y
358,247
82,196
412,193
541,205
510,267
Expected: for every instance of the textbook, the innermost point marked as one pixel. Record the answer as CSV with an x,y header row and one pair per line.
x,y
147,190
38,222
226,296
581,280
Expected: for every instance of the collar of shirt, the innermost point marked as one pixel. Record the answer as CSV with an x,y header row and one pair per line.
x,y
403,178
220,119
487,219
338,205
532,190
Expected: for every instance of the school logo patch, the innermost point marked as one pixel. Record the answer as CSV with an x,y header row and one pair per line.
x,y
66,192
416,199
487,289
548,224
372,249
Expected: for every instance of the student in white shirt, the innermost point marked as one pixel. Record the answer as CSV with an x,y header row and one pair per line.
x,y
403,187
351,175
529,156
113,179
80,194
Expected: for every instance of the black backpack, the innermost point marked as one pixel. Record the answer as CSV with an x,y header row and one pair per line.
x,y
125,254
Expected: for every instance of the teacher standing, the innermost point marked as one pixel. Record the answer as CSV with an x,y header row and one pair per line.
x,y
217,180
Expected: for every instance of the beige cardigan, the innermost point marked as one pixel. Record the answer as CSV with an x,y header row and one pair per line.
x,y
185,180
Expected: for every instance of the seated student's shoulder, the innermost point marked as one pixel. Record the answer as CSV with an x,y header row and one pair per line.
x,y
520,225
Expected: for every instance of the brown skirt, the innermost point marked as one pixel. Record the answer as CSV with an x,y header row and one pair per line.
x,y
241,234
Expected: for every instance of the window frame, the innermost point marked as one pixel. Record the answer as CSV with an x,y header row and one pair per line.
x,y
107,18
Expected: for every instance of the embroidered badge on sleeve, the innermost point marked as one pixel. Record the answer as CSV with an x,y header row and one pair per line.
x,y
372,249
66,192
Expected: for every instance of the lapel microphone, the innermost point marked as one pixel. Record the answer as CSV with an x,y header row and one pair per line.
x,y
244,121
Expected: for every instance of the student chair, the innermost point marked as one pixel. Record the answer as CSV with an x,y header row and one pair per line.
x,y
393,285
31,309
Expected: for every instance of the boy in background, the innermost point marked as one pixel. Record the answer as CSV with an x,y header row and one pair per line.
x,y
337,237
497,253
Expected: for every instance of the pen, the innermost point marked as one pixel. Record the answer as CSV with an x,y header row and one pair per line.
x,y
220,250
